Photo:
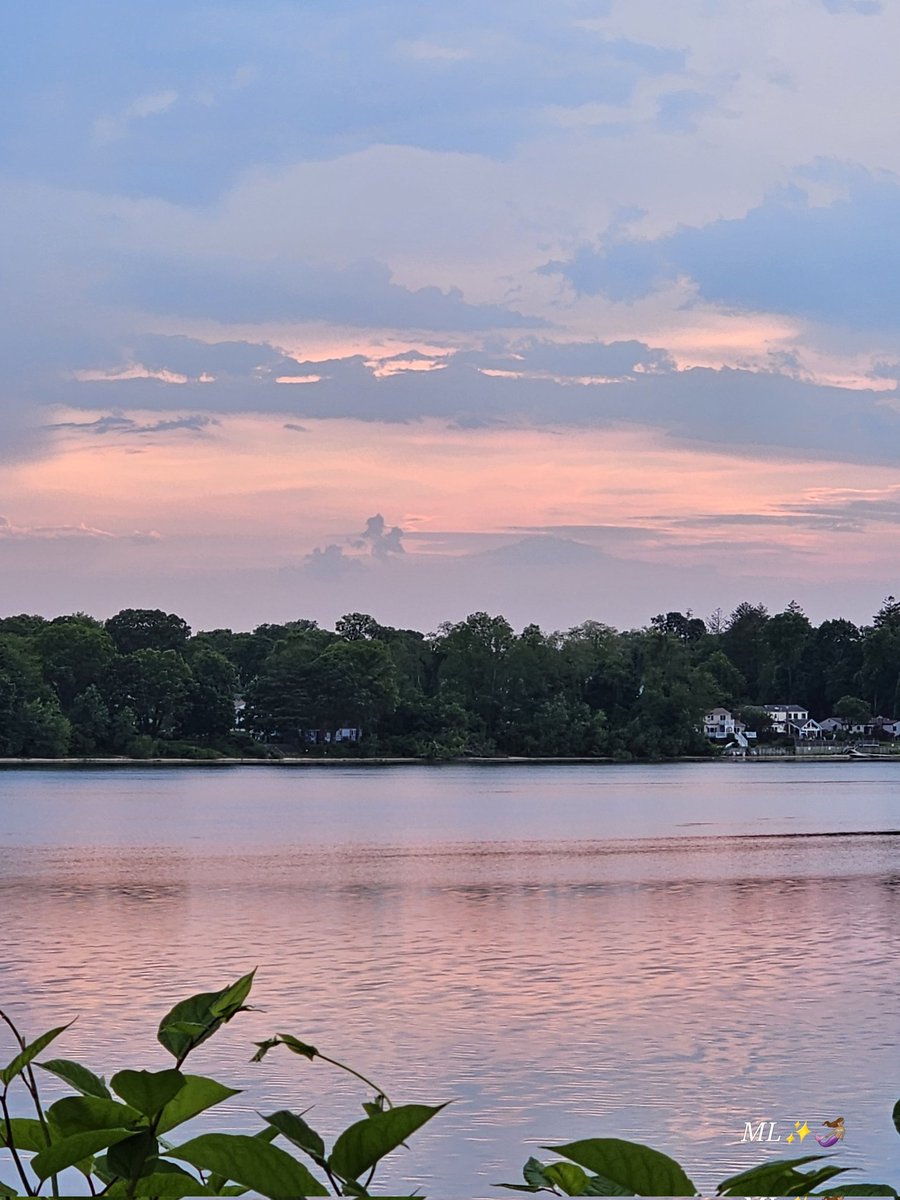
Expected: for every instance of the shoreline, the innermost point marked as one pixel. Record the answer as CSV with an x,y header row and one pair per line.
x,y
428,762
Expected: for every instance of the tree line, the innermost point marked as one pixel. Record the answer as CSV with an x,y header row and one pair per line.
x,y
142,684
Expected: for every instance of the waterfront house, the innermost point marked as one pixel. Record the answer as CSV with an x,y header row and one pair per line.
x,y
810,729
832,725
722,726
782,715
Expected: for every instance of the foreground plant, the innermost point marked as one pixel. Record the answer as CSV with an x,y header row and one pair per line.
x,y
115,1134
611,1167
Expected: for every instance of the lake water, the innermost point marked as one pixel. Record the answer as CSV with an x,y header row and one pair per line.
x,y
659,953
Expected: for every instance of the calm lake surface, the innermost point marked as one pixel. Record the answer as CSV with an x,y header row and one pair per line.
x,y
652,952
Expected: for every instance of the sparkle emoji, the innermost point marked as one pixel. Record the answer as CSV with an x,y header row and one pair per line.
x,y
802,1130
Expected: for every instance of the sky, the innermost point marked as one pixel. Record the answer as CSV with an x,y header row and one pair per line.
x,y
570,311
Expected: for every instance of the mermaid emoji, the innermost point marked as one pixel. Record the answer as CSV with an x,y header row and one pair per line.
x,y
837,1134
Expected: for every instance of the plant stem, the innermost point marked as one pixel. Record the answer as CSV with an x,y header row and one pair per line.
x,y
343,1066
11,1145
31,1084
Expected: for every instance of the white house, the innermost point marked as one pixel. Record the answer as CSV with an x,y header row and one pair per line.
x,y
721,725
781,715
809,729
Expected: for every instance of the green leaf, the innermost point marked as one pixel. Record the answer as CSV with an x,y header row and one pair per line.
x,y
861,1189
810,1179
251,1162
101,1169
599,1185
535,1173
77,1076
217,1183
196,1096
147,1091
7,1189
354,1189
31,1051
194,1020
135,1156
263,1048
569,1178
71,1150
520,1187
230,1001
284,1039
644,1172
896,1116
27,1134
81,1114
297,1046
362,1145
173,1182
761,1180
296,1130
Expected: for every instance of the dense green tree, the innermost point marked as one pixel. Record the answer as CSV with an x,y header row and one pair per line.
x,y
11,703
834,664
277,701
355,626
45,731
879,674
685,626
303,687
852,710
430,727
135,629
23,625
602,668
75,653
787,639
743,642
473,667
350,684
208,710
90,720
245,652
21,685
729,682
20,662
155,685
757,720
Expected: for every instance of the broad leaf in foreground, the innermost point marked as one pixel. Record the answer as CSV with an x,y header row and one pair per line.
x,y
147,1091
255,1164
194,1020
81,1114
30,1052
77,1076
364,1144
72,1150
770,1179
197,1094
641,1170
296,1130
